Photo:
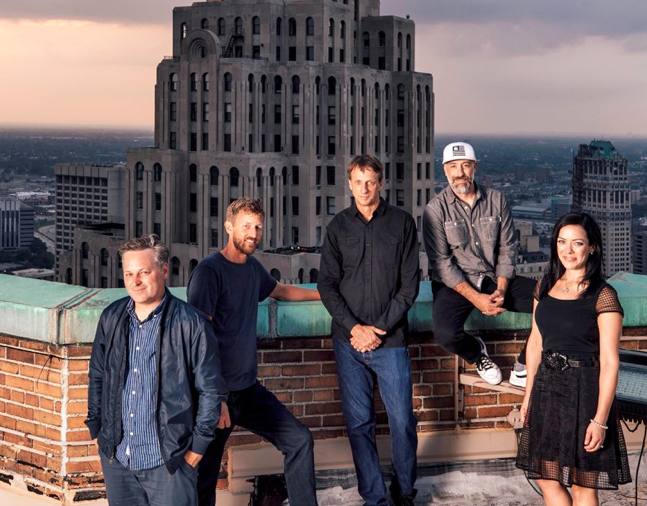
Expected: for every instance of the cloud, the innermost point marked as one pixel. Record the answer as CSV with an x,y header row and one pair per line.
x,y
538,25
113,11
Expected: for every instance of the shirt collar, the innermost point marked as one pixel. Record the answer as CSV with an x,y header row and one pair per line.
x,y
130,307
381,209
453,197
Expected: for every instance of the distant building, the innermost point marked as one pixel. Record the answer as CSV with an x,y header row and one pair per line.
x,y
16,224
43,274
271,100
538,212
531,262
559,206
640,252
601,188
87,195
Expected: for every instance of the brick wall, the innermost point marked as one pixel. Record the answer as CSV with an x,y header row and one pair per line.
x,y
43,393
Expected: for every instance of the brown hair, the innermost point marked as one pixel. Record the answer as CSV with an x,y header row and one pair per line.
x,y
150,241
244,205
363,162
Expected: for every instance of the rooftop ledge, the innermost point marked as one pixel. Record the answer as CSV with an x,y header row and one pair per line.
x,y
63,314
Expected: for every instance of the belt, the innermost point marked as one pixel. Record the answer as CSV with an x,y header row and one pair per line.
x,y
560,362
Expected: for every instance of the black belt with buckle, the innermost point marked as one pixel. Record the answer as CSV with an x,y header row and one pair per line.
x,y
560,362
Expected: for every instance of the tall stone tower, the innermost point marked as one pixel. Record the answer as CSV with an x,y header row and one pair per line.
x,y
601,188
271,99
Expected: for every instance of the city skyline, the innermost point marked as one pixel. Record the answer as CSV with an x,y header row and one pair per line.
x,y
565,70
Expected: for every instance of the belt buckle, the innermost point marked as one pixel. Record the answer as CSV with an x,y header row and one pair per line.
x,y
556,361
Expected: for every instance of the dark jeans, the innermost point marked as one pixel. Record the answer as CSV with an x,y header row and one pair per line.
x,y
355,372
259,411
151,487
451,310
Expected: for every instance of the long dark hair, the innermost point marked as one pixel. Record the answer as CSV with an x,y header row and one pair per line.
x,y
593,275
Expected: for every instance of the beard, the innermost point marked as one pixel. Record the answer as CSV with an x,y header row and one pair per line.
x,y
244,247
462,187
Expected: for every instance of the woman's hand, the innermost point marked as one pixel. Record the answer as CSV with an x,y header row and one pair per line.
x,y
524,408
594,438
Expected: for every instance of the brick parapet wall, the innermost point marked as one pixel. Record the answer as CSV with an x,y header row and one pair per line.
x,y
43,402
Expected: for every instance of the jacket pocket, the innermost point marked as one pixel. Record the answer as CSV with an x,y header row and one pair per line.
x,y
456,232
351,251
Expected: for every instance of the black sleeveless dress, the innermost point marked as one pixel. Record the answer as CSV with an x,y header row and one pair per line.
x,y
563,400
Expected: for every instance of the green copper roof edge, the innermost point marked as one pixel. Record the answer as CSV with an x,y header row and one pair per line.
x,y
73,320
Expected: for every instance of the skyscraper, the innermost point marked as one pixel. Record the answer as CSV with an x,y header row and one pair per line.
x,y
16,224
601,188
270,100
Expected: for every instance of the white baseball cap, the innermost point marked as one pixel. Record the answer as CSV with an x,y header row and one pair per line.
x,y
458,151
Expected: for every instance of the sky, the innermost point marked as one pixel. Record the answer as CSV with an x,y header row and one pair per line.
x,y
516,67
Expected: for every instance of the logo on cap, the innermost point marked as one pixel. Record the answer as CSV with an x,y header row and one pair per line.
x,y
458,150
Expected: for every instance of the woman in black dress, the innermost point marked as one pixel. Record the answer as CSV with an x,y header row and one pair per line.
x,y
571,435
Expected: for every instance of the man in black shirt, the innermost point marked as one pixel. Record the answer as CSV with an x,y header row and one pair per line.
x,y
368,280
228,286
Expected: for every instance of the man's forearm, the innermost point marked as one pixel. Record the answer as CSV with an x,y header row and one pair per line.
x,y
292,293
502,284
466,290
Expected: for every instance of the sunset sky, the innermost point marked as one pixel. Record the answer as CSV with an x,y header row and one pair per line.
x,y
499,66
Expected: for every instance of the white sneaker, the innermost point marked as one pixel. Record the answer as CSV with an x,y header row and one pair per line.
x,y
518,375
487,369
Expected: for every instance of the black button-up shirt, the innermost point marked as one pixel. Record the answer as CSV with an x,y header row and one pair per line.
x,y
369,272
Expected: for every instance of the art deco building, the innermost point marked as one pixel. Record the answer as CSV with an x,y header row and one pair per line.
x,y
271,99
601,188
640,252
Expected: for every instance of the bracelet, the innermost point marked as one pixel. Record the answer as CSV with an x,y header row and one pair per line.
x,y
605,427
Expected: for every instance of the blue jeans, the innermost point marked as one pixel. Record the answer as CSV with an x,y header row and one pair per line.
x,y
149,487
355,370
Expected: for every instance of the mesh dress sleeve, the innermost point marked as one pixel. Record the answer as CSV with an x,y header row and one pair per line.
x,y
608,301
535,293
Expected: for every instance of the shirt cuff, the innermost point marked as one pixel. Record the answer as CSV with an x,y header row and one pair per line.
x,y
349,322
94,427
200,444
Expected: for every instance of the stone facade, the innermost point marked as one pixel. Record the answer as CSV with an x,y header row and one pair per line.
x,y
271,99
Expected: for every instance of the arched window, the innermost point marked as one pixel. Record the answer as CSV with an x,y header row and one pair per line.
x,y
263,83
317,84
400,41
296,83
214,174
284,176
68,276
192,265
205,82
310,26
173,82
382,39
314,275
233,177
300,277
259,177
175,266
204,23
377,91
85,250
352,86
331,27
342,30
183,30
193,173
292,27
238,26
408,42
332,85
366,38
250,81
279,26
157,172
256,25
104,256
276,274
387,90
228,80
139,171
278,84
222,27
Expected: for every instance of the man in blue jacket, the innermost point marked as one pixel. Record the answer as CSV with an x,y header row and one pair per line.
x,y
155,386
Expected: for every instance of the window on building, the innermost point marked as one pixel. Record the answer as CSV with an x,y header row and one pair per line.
x,y
139,229
194,81
399,171
295,206
193,203
292,27
332,85
256,25
172,142
234,176
330,175
205,112
214,175
278,84
330,206
227,112
139,171
222,29
318,175
318,206
399,198
400,144
295,236
205,141
140,200
194,111
213,207
277,114
278,53
292,53
158,201
295,114
278,147
419,171
157,229
214,238
295,144
173,111
279,26
332,115
310,53
173,82
157,172
256,52
228,80
205,82
342,30
310,26
332,145
227,142
331,27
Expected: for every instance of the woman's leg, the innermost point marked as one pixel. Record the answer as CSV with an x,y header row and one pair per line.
x,y
555,494
583,496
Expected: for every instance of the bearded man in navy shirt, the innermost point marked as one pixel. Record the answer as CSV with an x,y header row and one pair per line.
x,y
227,286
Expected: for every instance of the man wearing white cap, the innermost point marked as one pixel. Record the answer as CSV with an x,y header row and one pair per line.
x,y
471,243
